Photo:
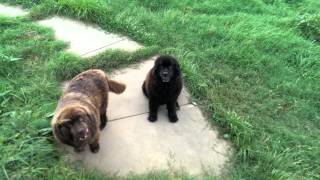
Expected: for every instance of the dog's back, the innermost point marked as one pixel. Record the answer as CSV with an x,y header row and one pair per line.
x,y
91,85
89,91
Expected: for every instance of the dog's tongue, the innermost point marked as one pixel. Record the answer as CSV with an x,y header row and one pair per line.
x,y
87,133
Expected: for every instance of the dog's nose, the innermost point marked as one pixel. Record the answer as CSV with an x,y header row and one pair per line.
x,y
81,131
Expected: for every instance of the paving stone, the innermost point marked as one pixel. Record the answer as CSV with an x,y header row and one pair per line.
x,y
135,145
12,10
87,40
130,143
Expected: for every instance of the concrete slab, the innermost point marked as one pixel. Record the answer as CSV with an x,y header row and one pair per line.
x,y
133,101
12,11
87,40
136,145
130,143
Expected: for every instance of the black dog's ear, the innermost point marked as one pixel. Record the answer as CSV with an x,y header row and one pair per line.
x,y
177,71
156,69
156,65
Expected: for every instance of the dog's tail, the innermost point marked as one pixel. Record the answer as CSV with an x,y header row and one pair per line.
x,y
116,86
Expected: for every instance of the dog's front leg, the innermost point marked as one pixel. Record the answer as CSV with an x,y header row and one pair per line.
x,y
171,106
95,146
153,110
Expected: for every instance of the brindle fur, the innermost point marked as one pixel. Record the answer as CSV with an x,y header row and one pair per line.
x,y
83,104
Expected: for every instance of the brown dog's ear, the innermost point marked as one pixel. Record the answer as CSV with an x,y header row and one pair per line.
x,y
62,131
65,122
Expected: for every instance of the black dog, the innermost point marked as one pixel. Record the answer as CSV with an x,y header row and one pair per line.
x,y
163,85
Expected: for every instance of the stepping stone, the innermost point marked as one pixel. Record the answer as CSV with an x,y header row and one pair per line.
x,y
87,40
130,143
12,11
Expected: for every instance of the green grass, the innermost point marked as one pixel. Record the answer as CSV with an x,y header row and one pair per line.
x,y
253,66
31,62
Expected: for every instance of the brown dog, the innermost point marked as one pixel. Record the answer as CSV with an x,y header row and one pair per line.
x,y
81,111
163,85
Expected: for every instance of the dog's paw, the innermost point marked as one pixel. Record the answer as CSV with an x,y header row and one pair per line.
x,y
103,125
94,148
173,118
152,118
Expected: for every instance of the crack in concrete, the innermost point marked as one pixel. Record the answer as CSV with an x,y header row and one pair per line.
x,y
91,51
125,117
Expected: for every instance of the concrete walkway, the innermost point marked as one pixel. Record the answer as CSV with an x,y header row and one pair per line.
x,y
12,11
130,143
87,40
84,40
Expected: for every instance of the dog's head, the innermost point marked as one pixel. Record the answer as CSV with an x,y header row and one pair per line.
x,y
166,68
73,128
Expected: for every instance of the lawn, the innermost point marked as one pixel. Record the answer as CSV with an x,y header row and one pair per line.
x,y
253,66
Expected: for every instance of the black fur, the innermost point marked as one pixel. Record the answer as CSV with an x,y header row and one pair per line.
x,y
163,85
